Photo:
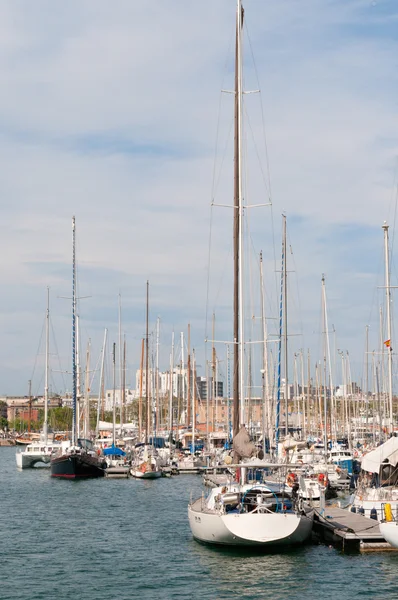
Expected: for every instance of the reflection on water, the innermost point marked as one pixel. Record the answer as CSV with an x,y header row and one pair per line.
x,y
126,539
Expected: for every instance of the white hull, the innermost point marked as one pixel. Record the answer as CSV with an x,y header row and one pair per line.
x,y
390,532
147,475
373,499
249,529
35,454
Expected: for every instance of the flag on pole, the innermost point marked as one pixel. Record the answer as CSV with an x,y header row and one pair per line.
x,y
387,343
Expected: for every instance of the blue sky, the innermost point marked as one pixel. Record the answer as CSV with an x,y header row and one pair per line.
x,y
110,112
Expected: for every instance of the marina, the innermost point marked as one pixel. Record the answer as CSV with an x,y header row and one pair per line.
x,y
210,411
133,520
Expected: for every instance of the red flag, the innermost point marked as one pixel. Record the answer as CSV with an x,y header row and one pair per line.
x,y
387,343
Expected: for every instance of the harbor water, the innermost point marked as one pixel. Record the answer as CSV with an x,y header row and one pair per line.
x,y
123,539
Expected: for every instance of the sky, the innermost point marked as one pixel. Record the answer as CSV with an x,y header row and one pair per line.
x,y
114,113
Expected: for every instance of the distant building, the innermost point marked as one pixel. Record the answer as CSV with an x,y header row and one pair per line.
x,y
217,389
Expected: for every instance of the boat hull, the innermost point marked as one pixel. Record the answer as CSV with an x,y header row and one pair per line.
x,y
77,466
147,475
248,529
27,461
389,530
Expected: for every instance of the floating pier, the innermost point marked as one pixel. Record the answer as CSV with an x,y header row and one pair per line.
x,y
350,530
117,472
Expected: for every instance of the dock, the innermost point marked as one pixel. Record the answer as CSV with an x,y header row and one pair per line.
x,y
349,530
117,472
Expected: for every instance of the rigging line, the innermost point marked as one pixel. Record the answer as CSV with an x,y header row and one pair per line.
x,y
276,283
38,350
214,184
262,112
257,152
213,187
297,290
57,354
95,371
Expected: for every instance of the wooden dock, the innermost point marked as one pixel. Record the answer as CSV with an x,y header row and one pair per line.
x,y
349,530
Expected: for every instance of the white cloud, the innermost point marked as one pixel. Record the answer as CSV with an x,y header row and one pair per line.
x,y
109,112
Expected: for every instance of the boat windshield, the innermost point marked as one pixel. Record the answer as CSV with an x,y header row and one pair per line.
x,y
87,444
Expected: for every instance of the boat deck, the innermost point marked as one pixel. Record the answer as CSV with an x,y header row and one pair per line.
x,y
342,527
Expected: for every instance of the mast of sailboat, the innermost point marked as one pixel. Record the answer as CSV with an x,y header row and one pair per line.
x,y
101,383
285,327
325,405
78,385
114,392
147,366
30,405
157,411
189,384
74,372
45,424
264,370
140,397
171,389
123,411
120,360
86,411
388,341
281,304
193,400
238,382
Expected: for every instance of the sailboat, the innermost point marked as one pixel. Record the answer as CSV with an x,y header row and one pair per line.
x,y
77,458
40,451
246,512
146,464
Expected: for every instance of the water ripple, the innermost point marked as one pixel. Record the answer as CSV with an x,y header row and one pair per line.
x,y
126,539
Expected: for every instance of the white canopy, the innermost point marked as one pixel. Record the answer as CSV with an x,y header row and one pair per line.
x,y
387,453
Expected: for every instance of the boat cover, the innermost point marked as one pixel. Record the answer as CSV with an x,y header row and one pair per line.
x,y
386,454
113,451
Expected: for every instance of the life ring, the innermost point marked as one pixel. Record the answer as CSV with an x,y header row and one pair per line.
x,y
322,479
143,468
291,479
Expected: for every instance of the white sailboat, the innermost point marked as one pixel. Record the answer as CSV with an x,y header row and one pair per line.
x,y
146,463
241,513
40,451
378,482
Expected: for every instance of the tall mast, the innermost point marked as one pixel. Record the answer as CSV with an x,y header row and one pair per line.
x,y
147,366
86,411
140,397
157,412
264,370
123,409
182,378
30,405
78,385
171,386
120,361
74,372
193,400
285,326
101,384
213,378
114,392
45,424
388,307
238,384
325,411
189,383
